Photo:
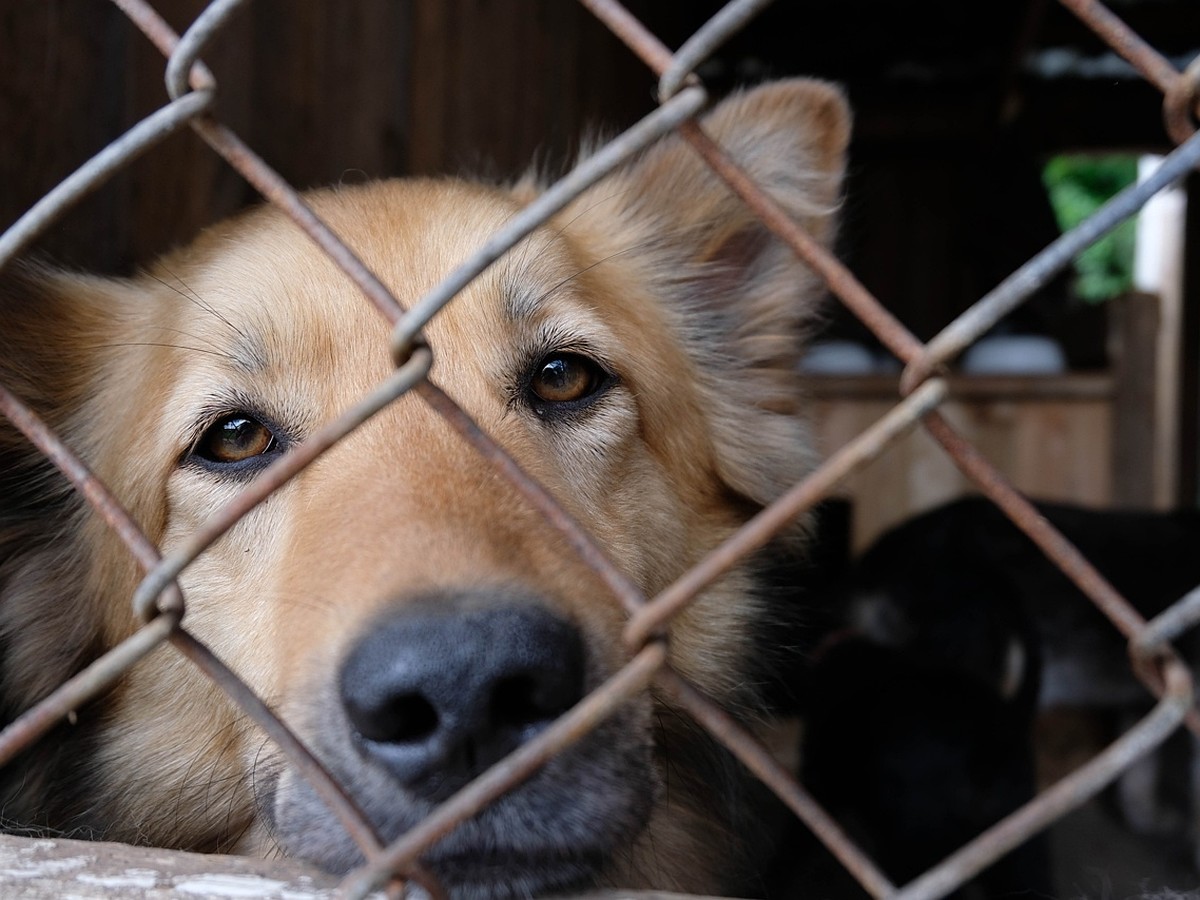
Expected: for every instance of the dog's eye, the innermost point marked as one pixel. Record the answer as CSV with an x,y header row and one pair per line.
x,y
234,439
566,378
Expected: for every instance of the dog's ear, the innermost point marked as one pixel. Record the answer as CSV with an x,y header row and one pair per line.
x,y
743,298
54,330
45,315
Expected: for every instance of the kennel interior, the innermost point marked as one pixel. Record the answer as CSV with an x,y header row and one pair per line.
x,y
958,109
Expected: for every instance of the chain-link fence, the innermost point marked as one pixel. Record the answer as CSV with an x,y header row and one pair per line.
x,y
162,606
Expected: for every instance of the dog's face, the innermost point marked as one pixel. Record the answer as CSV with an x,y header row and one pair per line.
x,y
398,602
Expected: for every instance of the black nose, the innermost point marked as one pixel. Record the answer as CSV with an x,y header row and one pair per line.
x,y
436,693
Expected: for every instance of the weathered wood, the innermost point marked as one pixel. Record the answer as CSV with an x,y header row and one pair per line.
x,y
1141,479
1072,386
56,110
33,869
1189,363
498,84
1052,436
55,869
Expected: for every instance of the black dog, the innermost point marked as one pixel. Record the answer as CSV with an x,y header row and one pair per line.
x,y
962,582
948,635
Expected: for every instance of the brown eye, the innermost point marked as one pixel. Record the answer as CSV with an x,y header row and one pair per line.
x,y
565,378
235,439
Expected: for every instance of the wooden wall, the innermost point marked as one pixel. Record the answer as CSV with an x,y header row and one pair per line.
x,y
1097,439
1051,436
323,91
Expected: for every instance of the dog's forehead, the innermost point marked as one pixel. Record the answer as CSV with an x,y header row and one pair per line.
x,y
410,233
273,305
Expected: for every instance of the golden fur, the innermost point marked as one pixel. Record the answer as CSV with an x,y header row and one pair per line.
x,y
688,319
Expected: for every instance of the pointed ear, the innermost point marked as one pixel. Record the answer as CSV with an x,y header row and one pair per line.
x,y
52,324
54,327
789,136
744,298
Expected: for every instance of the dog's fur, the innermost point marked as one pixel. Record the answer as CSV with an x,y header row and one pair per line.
x,y
683,317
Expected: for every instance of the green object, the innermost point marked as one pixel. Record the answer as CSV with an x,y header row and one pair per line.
x,y
1078,185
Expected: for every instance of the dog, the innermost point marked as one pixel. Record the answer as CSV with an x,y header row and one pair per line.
x,y
397,603
959,587
908,589
915,760
918,704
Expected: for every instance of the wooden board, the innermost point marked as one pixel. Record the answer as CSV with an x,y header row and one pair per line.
x,y
1051,436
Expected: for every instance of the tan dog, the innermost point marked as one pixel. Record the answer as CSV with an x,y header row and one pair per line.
x,y
398,604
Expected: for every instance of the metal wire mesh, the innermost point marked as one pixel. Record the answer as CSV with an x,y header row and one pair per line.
x,y
161,604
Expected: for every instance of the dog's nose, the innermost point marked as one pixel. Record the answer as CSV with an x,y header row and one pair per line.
x,y
437,694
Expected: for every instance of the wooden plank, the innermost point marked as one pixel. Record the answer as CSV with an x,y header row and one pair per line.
x,y
497,85
1189,376
1053,449
1073,386
50,869
57,109
1141,480
181,186
54,869
328,88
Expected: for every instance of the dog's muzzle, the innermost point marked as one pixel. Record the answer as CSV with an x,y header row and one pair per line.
x,y
432,693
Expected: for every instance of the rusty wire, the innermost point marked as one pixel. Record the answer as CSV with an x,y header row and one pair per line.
x,y
1126,42
907,348
1181,90
182,60
137,140
758,760
76,691
569,728
103,672
191,88
1181,102
759,530
1181,616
